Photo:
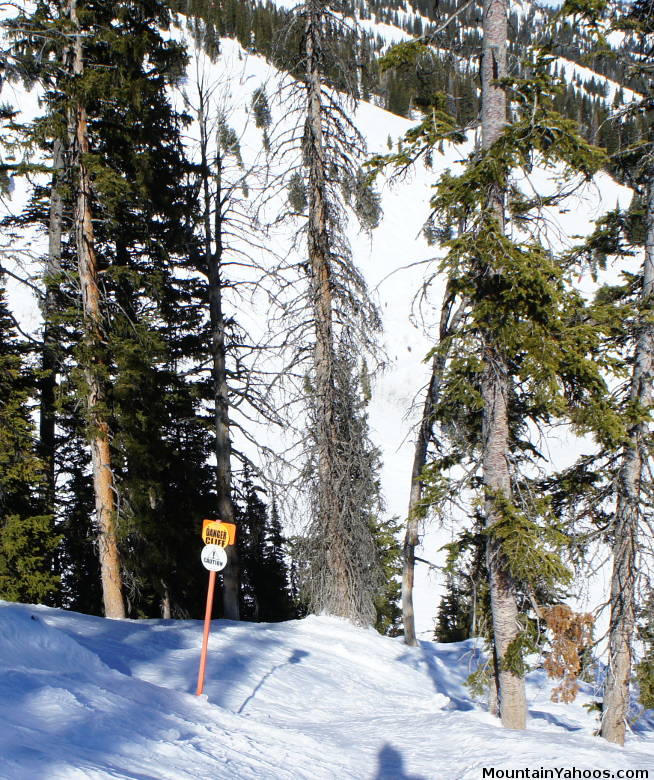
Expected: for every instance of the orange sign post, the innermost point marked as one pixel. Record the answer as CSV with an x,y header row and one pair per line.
x,y
216,535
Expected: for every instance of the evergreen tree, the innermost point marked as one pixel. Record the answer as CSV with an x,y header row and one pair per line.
x,y
28,542
523,354
340,570
496,381
265,592
93,358
387,601
135,174
160,439
623,311
276,601
634,455
262,115
354,391
464,610
453,617
297,193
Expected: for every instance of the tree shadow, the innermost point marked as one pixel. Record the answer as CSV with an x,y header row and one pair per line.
x,y
442,665
390,766
128,646
295,658
555,720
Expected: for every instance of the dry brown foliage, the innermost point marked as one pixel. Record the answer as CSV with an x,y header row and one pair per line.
x,y
571,635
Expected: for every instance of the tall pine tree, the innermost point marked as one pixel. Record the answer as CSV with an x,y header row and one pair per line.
x,y
28,543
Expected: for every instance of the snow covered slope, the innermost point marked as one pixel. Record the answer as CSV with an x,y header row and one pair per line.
x,y
83,697
395,261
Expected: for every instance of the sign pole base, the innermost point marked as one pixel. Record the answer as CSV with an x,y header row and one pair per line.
x,y
207,629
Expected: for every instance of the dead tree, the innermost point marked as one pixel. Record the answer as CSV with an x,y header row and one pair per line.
x,y
449,323
332,320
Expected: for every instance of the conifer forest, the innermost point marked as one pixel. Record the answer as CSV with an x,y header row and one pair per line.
x,y
193,322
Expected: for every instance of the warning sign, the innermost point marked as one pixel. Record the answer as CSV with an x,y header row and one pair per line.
x,y
217,532
213,557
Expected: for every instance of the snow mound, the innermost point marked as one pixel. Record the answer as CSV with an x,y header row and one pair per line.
x,y
83,697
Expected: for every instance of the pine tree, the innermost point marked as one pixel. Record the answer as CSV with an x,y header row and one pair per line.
x,y
340,569
141,228
634,455
624,312
262,115
507,367
265,593
629,500
464,610
389,552
94,360
453,617
276,600
160,440
496,382
51,208
51,305
28,542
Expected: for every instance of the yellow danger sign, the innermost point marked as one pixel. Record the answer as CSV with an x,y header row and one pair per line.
x,y
217,532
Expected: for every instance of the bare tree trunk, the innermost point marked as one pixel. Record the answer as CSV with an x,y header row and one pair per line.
x,y
48,382
511,689
627,513
166,611
495,391
411,538
213,258
94,368
425,431
231,574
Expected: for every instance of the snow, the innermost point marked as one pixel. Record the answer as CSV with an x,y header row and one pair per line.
x,y
572,71
395,260
82,697
85,697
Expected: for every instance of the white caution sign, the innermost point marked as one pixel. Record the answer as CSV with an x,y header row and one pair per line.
x,y
213,557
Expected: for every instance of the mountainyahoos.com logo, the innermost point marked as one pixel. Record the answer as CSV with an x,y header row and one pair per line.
x,y
572,773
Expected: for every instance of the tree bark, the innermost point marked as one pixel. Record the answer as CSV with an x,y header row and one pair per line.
x,y
411,538
495,389
627,513
213,247
48,382
497,482
166,609
94,362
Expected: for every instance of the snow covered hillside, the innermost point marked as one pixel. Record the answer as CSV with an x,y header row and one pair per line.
x,y
395,260
84,697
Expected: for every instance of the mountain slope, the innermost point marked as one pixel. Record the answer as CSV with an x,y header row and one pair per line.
x,y
83,697
395,260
